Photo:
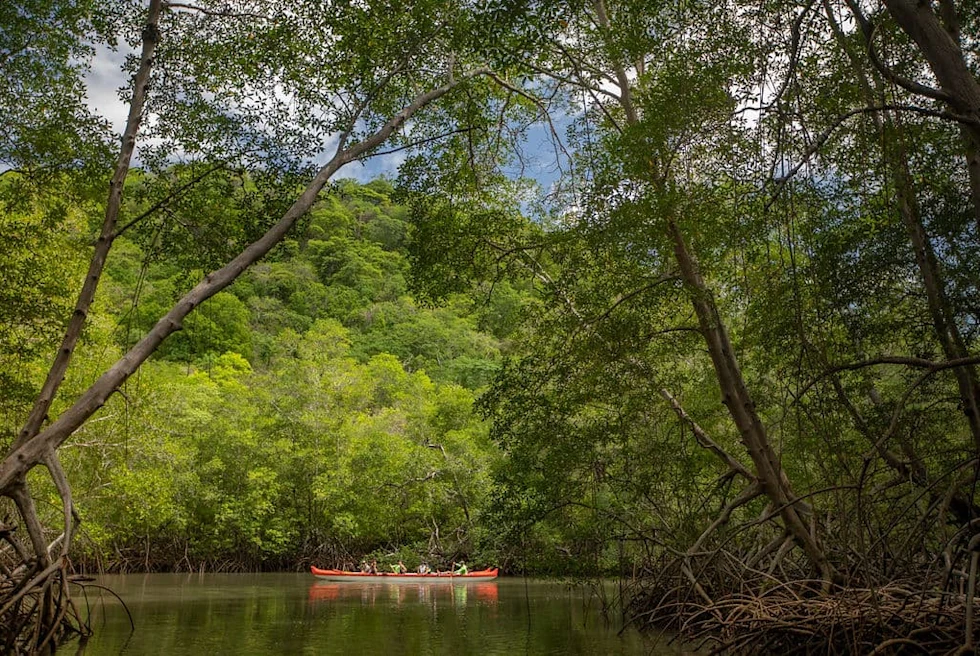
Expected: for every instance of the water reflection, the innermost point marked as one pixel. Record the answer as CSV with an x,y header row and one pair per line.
x,y
290,614
444,594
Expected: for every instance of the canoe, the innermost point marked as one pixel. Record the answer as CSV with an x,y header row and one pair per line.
x,y
411,577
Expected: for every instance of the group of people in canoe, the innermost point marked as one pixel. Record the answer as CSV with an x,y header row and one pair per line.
x,y
371,567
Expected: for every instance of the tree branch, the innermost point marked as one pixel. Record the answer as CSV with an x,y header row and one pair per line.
x,y
30,452
822,138
211,12
868,30
64,490
169,197
931,366
704,440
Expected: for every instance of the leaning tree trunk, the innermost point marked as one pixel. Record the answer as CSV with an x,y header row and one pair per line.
x,y
939,44
36,611
961,91
938,41
735,394
741,407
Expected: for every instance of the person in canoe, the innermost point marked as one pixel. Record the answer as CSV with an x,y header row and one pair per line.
x,y
460,569
424,568
365,568
399,568
373,567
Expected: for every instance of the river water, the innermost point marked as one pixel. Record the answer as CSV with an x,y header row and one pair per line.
x,y
242,614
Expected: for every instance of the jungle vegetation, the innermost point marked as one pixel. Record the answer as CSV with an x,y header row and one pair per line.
x,y
311,413
684,292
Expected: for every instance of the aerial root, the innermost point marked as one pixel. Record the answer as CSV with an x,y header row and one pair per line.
x,y
36,609
795,618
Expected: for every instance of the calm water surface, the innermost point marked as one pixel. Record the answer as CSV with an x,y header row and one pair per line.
x,y
295,614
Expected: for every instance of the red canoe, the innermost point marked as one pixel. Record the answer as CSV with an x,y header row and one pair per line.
x,y
435,577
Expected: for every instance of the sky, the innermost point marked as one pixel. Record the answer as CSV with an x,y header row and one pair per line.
x,y
106,77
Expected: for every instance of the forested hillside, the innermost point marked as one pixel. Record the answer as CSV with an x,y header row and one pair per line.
x,y
314,411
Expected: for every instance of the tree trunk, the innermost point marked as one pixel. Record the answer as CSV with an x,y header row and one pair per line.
x,y
940,46
943,320
46,623
895,160
151,36
735,393
741,407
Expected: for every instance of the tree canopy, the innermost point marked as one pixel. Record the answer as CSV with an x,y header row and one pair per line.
x,y
706,270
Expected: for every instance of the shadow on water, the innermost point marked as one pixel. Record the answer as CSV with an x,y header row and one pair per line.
x,y
290,614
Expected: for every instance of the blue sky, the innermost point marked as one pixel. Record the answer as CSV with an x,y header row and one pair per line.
x,y
106,77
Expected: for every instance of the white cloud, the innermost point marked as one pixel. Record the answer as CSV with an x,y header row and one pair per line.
x,y
373,167
102,83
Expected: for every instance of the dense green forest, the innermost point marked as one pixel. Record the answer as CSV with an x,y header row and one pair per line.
x,y
684,293
313,411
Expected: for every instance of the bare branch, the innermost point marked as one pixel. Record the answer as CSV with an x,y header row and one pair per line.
x,y
542,107
868,30
64,490
48,571
225,12
752,491
704,440
420,142
931,366
169,197
28,512
623,298
822,138
412,481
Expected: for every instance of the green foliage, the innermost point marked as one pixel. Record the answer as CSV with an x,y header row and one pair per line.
x,y
258,466
274,426
47,46
220,325
317,408
799,250
42,250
